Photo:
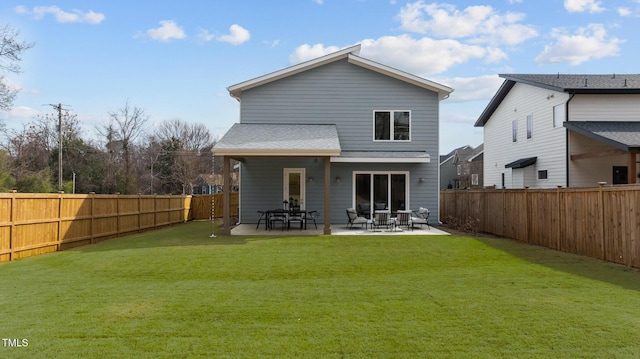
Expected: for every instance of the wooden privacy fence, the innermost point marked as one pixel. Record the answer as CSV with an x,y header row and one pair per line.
x,y
32,224
201,205
601,222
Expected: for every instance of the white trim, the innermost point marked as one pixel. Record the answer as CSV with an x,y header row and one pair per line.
x,y
380,160
391,125
236,90
407,185
442,90
303,184
275,153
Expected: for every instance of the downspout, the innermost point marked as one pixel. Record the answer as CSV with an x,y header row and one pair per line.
x,y
566,116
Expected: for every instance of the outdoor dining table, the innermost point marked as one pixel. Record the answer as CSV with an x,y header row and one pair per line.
x,y
285,212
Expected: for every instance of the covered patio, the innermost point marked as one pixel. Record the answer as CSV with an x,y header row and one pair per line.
x,y
249,229
280,141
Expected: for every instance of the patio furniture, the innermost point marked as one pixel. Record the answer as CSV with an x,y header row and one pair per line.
x,y
311,216
421,217
382,218
277,216
296,215
403,218
354,218
364,210
263,217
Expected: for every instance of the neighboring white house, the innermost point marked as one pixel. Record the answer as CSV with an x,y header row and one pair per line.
x,y
562,130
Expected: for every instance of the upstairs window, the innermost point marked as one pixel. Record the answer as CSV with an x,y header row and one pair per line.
x,y
514,131
392,125
529,127
559,116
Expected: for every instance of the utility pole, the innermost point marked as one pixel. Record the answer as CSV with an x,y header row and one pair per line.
x,y
59,108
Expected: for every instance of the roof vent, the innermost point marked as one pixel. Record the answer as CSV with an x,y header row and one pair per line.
x,y
585,82
625,82
614,75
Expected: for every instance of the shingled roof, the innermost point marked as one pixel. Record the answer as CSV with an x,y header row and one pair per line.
x,y
573,84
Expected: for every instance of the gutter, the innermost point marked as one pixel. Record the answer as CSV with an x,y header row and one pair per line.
x,y
566,116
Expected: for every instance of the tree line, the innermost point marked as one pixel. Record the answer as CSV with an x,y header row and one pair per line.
x,y
127,157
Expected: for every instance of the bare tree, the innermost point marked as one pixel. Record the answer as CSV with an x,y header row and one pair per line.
x,y
11,49
186,153
125,127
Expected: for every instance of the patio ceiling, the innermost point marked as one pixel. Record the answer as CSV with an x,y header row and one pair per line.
x,y
622,135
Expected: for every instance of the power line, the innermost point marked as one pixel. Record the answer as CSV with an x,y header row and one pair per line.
x,y
59,108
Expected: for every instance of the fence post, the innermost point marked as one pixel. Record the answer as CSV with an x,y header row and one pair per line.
x,y
12,221
603,243
59,240
93,216
560,218
527,210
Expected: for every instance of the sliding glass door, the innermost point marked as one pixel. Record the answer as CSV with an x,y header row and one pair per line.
x,y
380,190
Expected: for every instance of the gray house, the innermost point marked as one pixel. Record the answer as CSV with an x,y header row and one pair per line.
x,y
336,132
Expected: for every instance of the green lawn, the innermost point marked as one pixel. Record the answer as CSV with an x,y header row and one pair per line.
x,y
177,293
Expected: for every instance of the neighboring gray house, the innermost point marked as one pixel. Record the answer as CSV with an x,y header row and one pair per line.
x,y
332,133
448,169
469,163
548,130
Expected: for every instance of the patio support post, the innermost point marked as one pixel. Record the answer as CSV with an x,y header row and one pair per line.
x,y
632,173
327,195
226,197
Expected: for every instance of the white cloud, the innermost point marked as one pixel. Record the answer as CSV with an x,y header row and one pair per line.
x,y
167,31
623,11
515,2
309,52
76,16
479,24
467,89
319,2
591,6
237,35
588,43
205,36
424,56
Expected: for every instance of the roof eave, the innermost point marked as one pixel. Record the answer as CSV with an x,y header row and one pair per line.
x,y
502,92
236,90
442,90
275,153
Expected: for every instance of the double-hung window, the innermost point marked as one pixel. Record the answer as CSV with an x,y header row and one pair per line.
x,y
392,125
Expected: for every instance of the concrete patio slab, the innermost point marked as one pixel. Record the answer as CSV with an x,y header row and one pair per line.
x,y
249,229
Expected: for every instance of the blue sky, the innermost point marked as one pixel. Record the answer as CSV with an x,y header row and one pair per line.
x,y
175,59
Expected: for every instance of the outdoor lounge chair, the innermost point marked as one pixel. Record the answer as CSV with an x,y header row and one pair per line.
x,y
355,219
382,218
421,217
403,218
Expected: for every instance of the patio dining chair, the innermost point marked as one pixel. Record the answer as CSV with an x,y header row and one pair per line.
x,y
311,216
354,218
295,216
277,216
263,217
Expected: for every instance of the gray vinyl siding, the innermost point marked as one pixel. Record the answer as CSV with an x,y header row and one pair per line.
x,y
345,95
262,185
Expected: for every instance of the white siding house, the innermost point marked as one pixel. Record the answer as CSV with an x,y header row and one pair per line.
x,y
562,130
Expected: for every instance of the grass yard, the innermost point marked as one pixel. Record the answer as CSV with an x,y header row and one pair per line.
x,y
177,293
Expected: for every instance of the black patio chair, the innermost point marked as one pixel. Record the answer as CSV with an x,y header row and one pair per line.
x,y
311,216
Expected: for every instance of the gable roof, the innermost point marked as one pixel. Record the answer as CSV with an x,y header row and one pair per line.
x,y
451,155
573,84
351,54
